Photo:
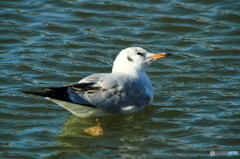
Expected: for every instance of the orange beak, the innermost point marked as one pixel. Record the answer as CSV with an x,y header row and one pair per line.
x,y
160,55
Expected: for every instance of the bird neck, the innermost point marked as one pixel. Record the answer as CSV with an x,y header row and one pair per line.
x,y
128,68
130,72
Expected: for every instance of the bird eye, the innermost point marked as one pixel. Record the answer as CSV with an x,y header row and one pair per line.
x,y
139,53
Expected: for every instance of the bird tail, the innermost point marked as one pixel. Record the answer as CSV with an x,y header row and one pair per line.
x,y
59,93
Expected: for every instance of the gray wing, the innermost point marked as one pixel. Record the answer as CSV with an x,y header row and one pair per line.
x,y
113,93
94,78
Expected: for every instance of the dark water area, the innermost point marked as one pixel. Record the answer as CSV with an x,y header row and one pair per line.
x,y
54,43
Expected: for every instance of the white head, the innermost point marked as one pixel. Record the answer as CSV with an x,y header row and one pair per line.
x,y
135,58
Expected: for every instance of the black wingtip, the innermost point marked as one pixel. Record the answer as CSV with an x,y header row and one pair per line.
x,y
55,93
59,93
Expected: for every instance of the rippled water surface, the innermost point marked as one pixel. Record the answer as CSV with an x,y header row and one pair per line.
x,y
53,43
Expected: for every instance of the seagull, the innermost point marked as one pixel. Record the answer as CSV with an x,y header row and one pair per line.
x,y
124,91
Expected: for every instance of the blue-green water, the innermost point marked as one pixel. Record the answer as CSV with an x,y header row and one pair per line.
x,y
53,43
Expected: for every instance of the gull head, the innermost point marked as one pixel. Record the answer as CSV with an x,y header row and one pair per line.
x,y
135,59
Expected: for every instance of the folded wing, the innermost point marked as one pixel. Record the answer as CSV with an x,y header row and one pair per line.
x,y
112,93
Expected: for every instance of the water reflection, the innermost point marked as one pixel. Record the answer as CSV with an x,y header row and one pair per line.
x,y
75,125
118,132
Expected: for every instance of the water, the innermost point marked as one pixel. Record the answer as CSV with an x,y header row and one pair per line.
x,y
54,43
